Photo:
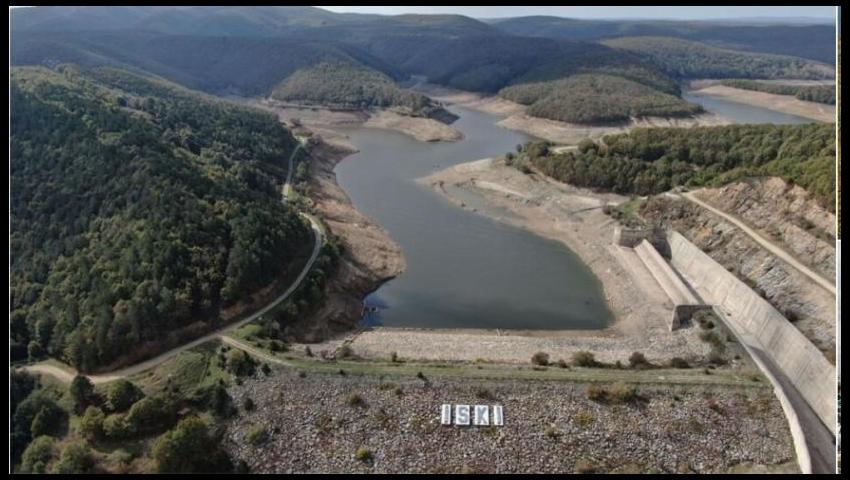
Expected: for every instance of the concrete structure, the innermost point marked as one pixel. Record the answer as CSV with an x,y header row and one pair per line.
x,y
685,303
631,237
802,376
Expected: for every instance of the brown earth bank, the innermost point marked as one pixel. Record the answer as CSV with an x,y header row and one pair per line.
x,y
322,119
771,101
369,256
810,307
515,118
317,423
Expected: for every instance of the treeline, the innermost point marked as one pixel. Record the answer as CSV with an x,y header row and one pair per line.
x,y
588,98
810,93
137,208
653,160
346,85
686,59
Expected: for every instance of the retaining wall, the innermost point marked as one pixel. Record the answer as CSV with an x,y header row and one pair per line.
x,y
803,364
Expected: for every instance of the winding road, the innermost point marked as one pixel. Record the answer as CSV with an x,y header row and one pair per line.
x,y
770,246
66,373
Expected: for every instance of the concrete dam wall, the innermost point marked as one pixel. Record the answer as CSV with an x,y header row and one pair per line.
x,y
798,359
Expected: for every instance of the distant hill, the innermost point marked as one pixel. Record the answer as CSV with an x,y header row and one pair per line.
x,y
687,59
137,209
810,93
815,41
254,50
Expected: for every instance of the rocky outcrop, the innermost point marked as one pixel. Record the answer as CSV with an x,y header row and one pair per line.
x,y
786,213
801,301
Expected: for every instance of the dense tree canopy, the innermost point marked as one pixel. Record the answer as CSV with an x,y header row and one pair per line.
x,y
137,208
653,160
688,59
591,98
810,93
351,86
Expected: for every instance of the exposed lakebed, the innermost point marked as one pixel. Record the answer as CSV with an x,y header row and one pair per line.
x,y
463,270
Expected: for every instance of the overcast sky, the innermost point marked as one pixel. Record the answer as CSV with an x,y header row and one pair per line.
x,y
689,13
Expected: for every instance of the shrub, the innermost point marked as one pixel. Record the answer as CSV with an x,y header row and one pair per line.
x,y
562,364
75,458
678,362
46,422
248,404
266,369
363,454
584,359
551,432
585,466
622,393
484,394
585,418
116,427
638,360
151,413
123,395
37,455
394,357
257,434
540,358
308,351
239,363
714,357
596,393
355,400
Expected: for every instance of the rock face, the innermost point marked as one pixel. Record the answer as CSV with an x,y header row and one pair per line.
x,y
786,213
314,426
369,256
807,305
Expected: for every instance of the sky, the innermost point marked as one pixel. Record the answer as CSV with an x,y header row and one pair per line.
x,y
613,12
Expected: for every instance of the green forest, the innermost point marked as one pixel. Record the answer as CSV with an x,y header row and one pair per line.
x,y
653,160
588,98
687,59
137,208
810,93
349,86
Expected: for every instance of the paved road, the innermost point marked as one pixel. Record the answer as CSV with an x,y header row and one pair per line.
x,y
67,374
770,246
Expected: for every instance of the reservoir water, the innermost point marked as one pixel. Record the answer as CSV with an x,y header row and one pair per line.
x,y
464,270
741,112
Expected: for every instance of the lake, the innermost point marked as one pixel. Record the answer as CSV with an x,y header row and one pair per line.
x,y
464,270
741,112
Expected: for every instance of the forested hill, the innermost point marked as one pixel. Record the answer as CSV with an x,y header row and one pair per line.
x,y
348,85
137,208
688,59
809,93
653,160
815,41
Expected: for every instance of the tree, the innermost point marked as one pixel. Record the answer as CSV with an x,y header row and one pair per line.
x,y
46,421
188,448
123,395
75,458
91,423
38,455
82,392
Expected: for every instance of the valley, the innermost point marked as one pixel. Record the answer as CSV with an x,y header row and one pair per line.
x,y
277,239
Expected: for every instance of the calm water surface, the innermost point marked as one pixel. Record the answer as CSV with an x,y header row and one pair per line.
x,y
463,270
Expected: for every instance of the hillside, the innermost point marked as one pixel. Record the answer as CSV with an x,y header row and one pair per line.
x,y
351,86
591,98
137,209
809,93
811,41
687,59
647,161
